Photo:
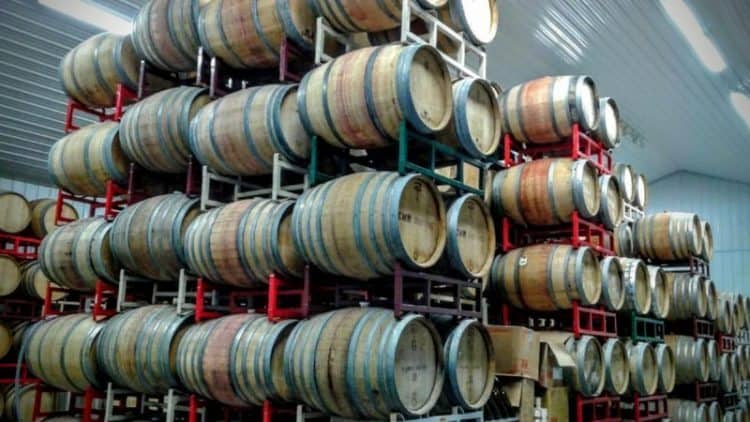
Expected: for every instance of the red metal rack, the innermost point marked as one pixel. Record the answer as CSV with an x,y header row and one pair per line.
x,y
8,372
19,247
695,327
693,265
725,343
123,97
700,392
580,320
577,146
102,301
650,408
579,232
597,409
87,410
19,309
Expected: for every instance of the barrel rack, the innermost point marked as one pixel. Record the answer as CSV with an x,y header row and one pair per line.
x,y
19,246
695,327
642,328
99,303
642,409
123,97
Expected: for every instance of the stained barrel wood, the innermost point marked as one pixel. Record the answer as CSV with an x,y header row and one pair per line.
x,y
707,247
715,412
611,207
736,301
15,213
147,237
255,42
644,371
6,339
137,349
608,127
725,316
641,192
688,295
690,358
668,236
547,277
10,274
627,180
544,110
469,363
364,15
363,363
546,192
91,71
661,297
588,375
62,352
43,216
155,131
616,367
360,99
712,300
34,282
239,134
666,364
77,254
83,161
746,305
476,124
726,372
478,20
470,245
713,360
242,243
636,282
389,219
20,402
613,285
165,33
624,240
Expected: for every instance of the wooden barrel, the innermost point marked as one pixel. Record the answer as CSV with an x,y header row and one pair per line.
x,y
725,316
236,360
242,243
20,402
137,349
624,240
668,236
690,358
661,297
742,369
360,99
364,15
730,416
389,219
546,192
627,180
715,413
34,282
91,71
238,134
666,365
155,131
147,237
6,339
746,305
611,207
737,302
470,245
10,274
15,213
363,363
616,367
544,110
476,124
636,283
644,369
641,192
712,300
588,375
62,352
713,360
477,20
726,372
688,295
77,254
255,42
469,366
547,277
613,288
608,127
165,33
43,216
19,334
83,161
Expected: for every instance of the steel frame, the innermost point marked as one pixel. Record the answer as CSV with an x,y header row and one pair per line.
x,y
642,328
95,302
580,320
693,265
649,408
631,213
695,327
123,96
20,309
19,246
604,408
578,232
725,342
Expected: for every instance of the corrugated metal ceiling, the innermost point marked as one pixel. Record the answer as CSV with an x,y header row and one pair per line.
x,y
678,113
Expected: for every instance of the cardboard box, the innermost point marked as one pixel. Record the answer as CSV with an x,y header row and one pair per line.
x,y
521,395
555,400
516,351
554,359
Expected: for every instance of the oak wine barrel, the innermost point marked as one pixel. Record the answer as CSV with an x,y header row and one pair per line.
x,y
742,369
544,110
641,192
137,348
547,277
469,365
726,372
43,216
616,367
668,236
470,244
364,15
91,71
389,219
746,305
713,360
478,20
644,369
624,240
154,132
546,192
34,282
712,300
690,358
10,274
239,134
62,352
165,34
588,375
661,297
715,412
725,316
688,294
6,339
83,161
637,287
607,130
242,243
255,42
15,213
611,206
363,363
476,124
20,402
77,254
666,365
686,411
737,302
613,287
147,237
627,180
360,99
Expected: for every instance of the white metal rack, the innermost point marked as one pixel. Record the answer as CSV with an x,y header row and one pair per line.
x,y
631,214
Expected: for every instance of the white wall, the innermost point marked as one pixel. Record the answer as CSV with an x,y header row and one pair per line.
x,y
32,191
723,203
